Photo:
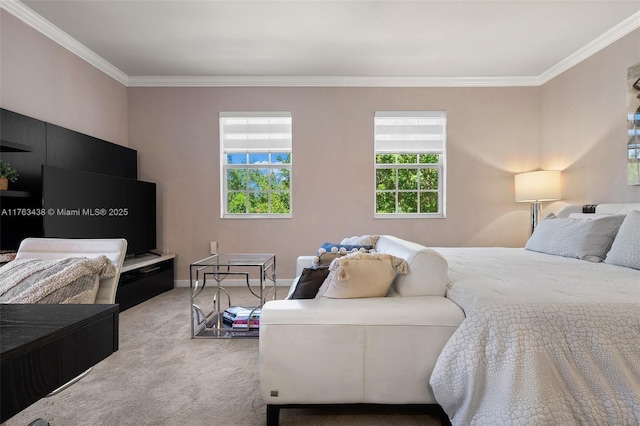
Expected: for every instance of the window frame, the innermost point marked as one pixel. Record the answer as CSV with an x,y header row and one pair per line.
x,y
268,148
412,148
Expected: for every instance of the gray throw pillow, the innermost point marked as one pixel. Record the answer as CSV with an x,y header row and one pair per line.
x,y
580,238
625,250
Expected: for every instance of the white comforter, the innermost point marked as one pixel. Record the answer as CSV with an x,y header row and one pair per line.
x,y
547,340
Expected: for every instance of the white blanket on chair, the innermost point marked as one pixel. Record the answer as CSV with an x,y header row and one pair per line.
x,y
547,340
70,280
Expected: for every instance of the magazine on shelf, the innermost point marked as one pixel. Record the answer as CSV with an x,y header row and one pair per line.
x,y
241,317
253,323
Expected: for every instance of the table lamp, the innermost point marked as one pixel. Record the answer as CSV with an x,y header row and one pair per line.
x,y
535,187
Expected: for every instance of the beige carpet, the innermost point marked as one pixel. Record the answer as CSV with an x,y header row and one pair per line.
x,y
160,376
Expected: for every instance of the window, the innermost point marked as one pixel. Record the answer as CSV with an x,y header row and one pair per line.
x,y
255,159
409,163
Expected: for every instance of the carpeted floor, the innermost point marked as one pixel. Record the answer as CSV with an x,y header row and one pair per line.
x,y
160,376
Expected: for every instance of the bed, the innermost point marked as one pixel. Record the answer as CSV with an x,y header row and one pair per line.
x,y
547,339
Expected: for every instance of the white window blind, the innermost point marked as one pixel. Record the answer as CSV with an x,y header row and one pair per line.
x,y
255,132
410,131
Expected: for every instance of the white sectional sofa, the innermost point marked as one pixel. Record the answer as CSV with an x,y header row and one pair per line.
x,y
379,350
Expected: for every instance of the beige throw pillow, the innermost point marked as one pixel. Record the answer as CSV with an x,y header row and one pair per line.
x,y
361,275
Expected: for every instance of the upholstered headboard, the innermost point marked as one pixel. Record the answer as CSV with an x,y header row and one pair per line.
x,y
608,208
60,248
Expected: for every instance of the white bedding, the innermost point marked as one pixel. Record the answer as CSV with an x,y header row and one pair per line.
x,y
547,340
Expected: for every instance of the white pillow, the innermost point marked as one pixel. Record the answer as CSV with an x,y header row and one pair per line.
x,y
587,215
361,275
583,239
364,240
625,250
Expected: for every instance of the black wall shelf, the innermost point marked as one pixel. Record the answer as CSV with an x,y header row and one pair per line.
x,y
27,144
8,146
17,194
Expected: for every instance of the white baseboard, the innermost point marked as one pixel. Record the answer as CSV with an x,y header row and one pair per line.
x,y
285,282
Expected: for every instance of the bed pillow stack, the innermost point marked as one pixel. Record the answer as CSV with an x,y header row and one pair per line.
x,y
578,238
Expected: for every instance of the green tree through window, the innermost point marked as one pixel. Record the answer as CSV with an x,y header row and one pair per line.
x,y
405,183
409,163
259,188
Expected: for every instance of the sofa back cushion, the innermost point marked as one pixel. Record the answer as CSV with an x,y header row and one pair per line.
x,y
427,275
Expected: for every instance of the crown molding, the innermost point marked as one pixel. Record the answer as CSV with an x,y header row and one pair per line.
x,y
327,81
36,21
614,34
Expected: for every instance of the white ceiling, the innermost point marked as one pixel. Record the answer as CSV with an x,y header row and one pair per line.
x,y
150,42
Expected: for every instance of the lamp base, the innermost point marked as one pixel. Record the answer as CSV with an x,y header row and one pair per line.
x,y
536,213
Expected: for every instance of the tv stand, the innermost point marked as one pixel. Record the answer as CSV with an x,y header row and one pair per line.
x,y
144,256
143,277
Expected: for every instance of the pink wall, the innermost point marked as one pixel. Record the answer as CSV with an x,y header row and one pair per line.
x,y
492,133
43,80
584,127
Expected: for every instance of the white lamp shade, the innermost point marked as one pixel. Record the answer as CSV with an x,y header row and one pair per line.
x,y
542,185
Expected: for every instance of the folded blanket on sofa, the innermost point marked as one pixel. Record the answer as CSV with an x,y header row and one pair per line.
x,y
70,280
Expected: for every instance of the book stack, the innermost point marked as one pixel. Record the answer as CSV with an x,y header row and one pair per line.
x,y
241,317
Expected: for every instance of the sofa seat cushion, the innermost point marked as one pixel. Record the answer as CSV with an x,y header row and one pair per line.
x,y
419,311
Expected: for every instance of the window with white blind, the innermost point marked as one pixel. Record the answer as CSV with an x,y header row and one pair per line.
x,y
255,164
410,149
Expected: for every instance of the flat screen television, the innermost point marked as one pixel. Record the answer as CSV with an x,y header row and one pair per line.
x,y
80,204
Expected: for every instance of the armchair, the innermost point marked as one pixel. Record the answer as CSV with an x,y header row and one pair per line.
x,y
60,248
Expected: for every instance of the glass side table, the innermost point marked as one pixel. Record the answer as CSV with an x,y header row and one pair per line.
x,y
213,270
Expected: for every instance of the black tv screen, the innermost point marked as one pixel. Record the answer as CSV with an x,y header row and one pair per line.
x,y
90,205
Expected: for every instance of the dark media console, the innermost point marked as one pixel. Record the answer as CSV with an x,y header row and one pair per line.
x,y
144,277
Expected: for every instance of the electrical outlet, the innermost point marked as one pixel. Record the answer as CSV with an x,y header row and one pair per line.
x,y
214,247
